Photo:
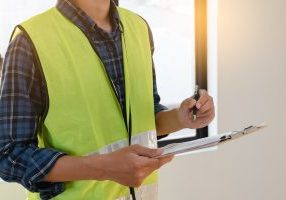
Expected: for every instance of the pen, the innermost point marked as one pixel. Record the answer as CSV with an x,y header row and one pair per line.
x,y
196,97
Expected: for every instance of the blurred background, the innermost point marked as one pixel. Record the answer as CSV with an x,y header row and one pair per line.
x,y
247,77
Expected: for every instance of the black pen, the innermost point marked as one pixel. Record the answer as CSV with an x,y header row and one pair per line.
x,y
196,97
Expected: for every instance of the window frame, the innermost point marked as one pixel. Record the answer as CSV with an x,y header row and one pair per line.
x,y
201,64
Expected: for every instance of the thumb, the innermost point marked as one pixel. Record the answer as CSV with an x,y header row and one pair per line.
x,y
147,152
165,159
188,104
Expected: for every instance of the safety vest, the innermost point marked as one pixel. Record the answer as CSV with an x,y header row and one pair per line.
x,y
84,115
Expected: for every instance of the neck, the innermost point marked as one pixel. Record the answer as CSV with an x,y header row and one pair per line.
x,y
98,10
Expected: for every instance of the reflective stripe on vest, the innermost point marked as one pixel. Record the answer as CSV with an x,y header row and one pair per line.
x,y
147,139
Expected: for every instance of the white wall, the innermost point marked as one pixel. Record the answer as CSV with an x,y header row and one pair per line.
x,y
16,11
252,81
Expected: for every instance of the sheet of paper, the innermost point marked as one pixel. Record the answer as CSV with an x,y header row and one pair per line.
x,y
178,148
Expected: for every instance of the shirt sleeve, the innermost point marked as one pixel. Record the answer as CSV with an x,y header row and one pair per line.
x,y
21,108
157,106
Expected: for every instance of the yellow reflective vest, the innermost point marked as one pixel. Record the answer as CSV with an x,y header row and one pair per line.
x,y
84,116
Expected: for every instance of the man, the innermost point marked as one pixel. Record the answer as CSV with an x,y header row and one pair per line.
x,y
78,95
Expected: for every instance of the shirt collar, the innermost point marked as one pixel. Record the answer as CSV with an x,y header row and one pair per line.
x,y
80,18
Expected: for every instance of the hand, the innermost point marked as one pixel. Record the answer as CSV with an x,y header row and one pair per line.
x,y
131,165
205,114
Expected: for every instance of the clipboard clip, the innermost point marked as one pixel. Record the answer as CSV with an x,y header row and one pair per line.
x,y
235,133
246,130
225,138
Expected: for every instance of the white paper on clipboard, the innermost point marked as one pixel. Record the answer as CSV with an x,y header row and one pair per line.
x,y
178,148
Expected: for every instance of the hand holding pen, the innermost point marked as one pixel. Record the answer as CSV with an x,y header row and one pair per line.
x,y
197,111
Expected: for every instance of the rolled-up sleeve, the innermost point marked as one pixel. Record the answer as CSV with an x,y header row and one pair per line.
x,y
21,108
157,106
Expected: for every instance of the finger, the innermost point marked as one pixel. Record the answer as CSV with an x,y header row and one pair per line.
x,y
191,104
204,97
206,107
205,114
202,92
205,120
156,163
188,104
166,159
151,168
150,163
147,152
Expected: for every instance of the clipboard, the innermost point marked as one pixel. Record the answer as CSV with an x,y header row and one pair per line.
x,y
179,148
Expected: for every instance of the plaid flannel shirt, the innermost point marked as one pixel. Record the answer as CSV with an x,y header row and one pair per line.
x,y
23,101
